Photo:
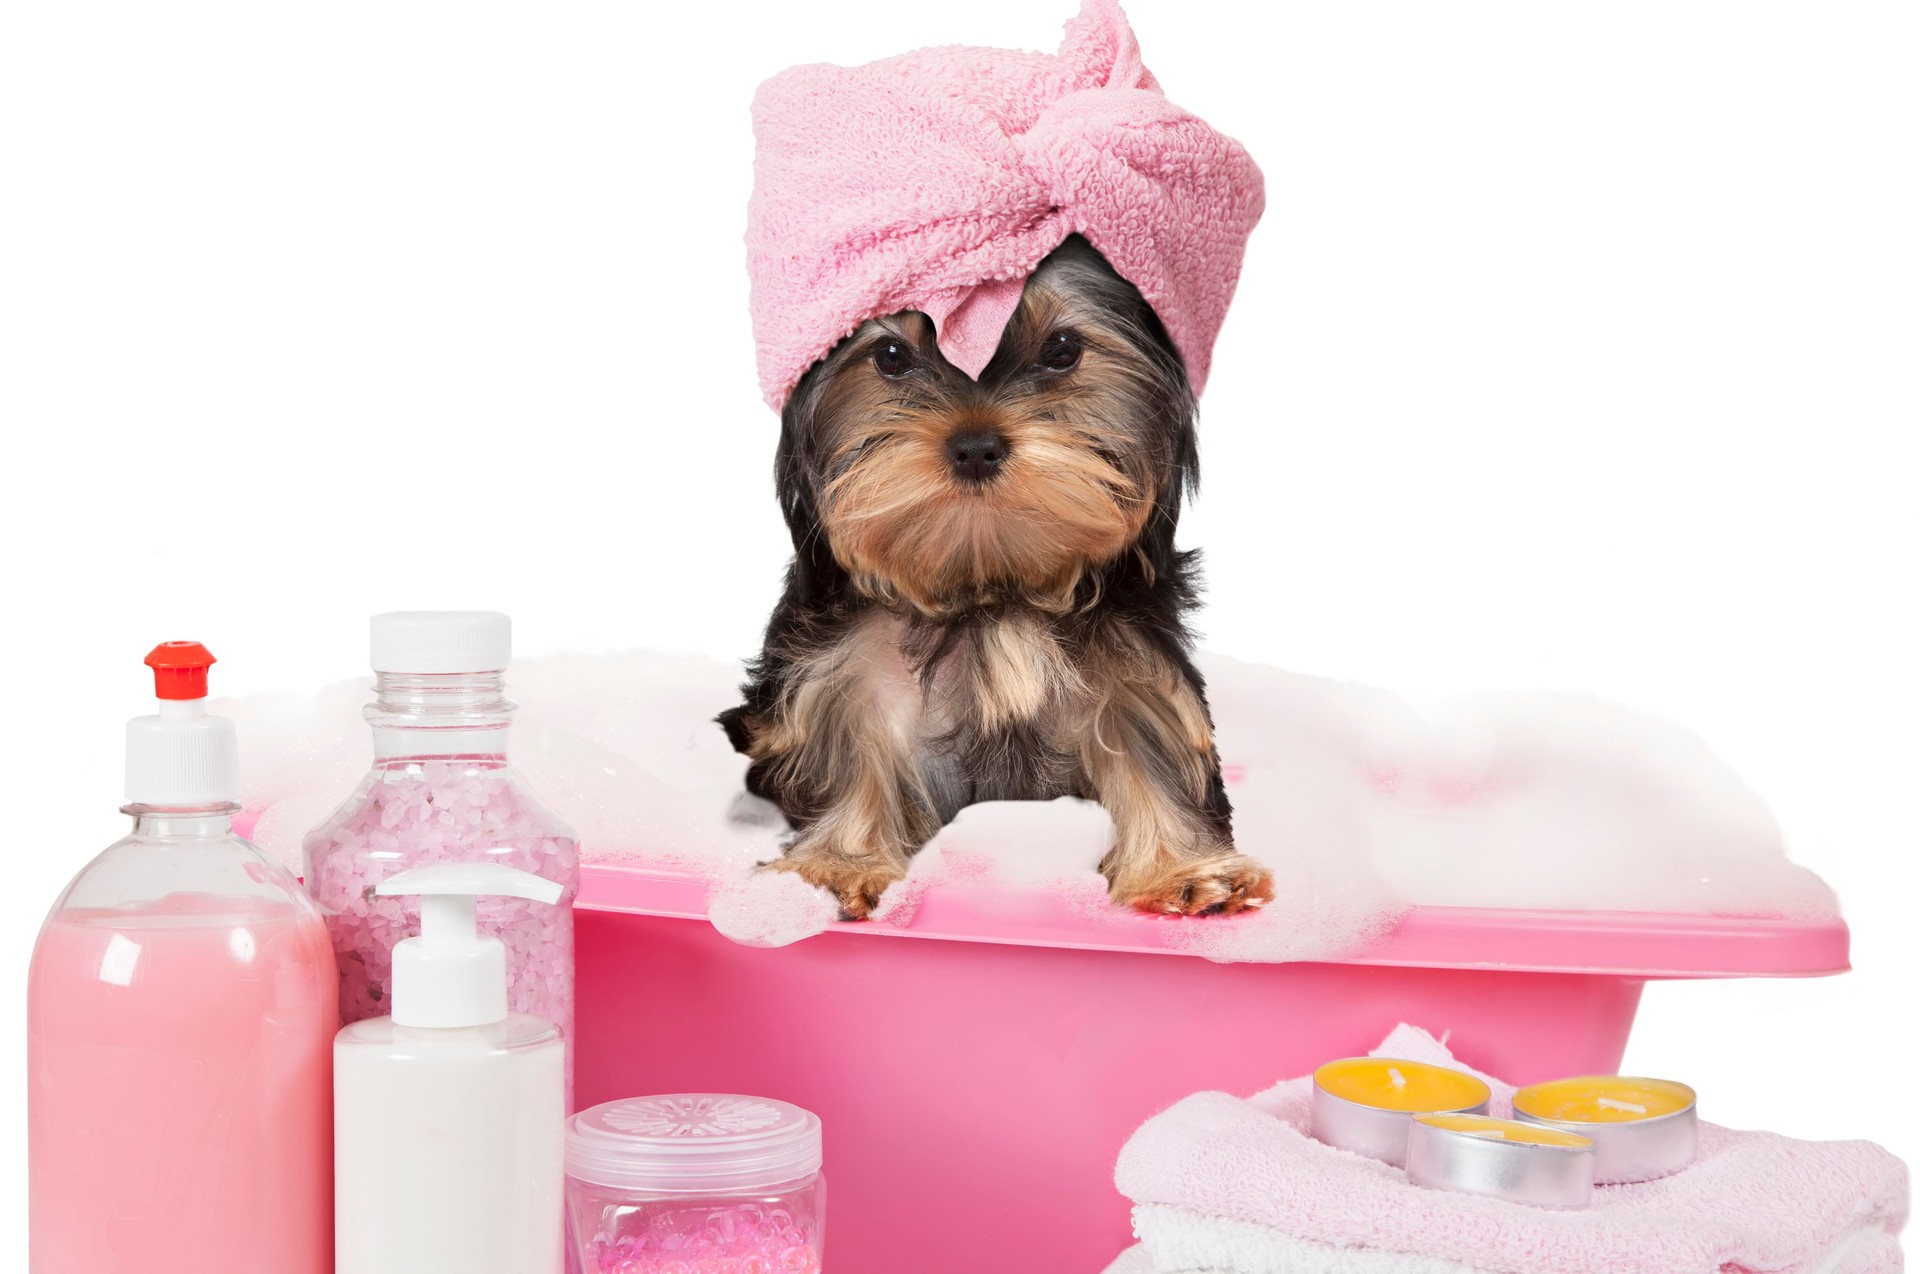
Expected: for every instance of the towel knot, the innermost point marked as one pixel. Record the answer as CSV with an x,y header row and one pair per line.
x,y
938,180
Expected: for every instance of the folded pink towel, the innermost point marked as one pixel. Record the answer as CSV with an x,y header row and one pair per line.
x,y
1752,1202
936,181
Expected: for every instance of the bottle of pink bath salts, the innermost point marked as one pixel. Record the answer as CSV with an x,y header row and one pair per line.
x,y
442,791
180,1017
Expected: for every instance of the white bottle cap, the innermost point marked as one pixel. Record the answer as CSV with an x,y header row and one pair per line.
x,y
451,975
181,756
442,641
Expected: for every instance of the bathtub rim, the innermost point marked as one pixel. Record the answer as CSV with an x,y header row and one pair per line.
x,y
1653,945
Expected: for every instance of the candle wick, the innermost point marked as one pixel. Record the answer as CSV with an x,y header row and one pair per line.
x,y
1399,1080
1632,1108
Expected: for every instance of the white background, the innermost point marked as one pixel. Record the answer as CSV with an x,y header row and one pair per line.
x,y
1577,350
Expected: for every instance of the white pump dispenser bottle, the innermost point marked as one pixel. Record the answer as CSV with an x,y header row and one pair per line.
x,y
449,1148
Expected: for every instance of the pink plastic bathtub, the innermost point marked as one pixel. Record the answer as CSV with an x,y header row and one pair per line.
x,y
977,1071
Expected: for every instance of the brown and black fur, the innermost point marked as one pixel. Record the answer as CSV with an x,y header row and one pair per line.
x,y
985,602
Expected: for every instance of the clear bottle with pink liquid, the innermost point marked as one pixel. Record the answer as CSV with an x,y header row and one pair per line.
x,y
181,1007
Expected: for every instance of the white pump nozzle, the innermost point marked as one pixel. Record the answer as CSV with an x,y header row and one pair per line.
x,y
451,975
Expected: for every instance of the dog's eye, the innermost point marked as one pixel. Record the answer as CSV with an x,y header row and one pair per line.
x,y
893,359
1061,352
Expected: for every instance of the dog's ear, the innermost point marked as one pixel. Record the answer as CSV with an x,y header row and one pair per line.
x,y
1178,416
1156,547
790,483
815,578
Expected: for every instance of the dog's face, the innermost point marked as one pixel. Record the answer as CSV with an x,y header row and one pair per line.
x,y
939,492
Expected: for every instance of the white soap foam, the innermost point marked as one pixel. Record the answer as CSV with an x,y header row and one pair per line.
x,y
770,909
1361,804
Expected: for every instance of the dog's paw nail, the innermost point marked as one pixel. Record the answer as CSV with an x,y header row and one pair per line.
x,y
1207,887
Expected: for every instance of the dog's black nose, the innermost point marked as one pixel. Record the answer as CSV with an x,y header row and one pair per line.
x,y
977,454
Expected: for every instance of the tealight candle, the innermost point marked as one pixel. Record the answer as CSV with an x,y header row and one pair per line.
x,y
1365,1104
1504,1158
1641,1128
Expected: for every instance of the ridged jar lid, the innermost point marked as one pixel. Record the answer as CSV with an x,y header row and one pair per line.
x,y
693,1142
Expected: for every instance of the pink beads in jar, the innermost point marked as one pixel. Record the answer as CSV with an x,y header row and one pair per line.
x,y
696,1183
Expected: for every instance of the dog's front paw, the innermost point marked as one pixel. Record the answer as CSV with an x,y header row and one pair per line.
x,y
1217,885
857,885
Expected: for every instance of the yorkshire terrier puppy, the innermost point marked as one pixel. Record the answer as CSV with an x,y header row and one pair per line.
x,y
985,602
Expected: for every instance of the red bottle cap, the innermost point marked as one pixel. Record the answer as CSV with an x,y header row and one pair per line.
x,y
180,669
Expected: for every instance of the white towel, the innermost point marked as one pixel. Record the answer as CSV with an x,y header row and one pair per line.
x,y
1175,1241
1135,1260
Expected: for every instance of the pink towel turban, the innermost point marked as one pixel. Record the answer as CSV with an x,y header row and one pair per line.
x,y
936,181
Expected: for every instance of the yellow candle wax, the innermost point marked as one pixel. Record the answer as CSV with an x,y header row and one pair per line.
x,y
1506,1130
1388,1083
1603,1099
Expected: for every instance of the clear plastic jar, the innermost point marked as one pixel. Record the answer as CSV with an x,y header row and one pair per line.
x,y
696,1183
441,790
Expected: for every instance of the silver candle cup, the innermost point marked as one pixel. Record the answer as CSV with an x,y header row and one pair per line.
x,y
1478,1160
1629,1150
1375,1131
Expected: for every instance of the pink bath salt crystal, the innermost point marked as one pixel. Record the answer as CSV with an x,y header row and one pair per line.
x,y
389,825
750,1236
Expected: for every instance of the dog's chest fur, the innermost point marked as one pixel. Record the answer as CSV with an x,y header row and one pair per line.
x,y
989,705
